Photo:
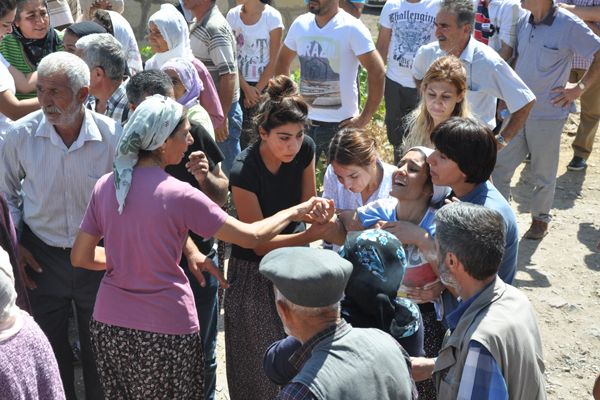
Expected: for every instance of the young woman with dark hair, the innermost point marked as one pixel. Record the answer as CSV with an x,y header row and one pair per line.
x,y
274,173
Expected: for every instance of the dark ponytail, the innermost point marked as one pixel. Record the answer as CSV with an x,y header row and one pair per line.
x,y
280,104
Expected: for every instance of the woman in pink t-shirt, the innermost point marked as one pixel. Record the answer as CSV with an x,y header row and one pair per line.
x,y
145,330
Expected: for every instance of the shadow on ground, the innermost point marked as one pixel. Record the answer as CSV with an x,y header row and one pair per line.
x,y
537,278
589,235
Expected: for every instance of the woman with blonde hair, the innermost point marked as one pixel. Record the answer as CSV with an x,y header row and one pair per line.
x,y
443,95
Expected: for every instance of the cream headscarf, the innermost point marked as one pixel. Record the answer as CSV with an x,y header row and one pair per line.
x,y
11,318
124,34
174,29
148,128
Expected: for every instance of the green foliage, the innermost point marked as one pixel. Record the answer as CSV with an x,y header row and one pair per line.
x,y
363,90
146,52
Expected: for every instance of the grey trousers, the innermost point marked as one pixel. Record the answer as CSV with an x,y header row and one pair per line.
x,y
542,139
58,287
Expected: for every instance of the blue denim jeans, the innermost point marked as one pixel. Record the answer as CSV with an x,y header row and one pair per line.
x,y
207,306
231,146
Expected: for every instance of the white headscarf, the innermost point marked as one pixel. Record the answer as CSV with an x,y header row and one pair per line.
x,y
11,319
174,29
148,128
439,192
124,34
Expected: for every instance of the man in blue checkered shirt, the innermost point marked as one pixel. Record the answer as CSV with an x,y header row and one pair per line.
x,y
494,350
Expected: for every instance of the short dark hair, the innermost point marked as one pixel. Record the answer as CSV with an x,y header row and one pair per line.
x,y
475,234
7,6
147,83
470,144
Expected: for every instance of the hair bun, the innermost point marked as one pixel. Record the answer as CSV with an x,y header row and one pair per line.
x,y
281,86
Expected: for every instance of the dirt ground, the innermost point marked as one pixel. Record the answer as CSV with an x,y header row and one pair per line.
x,y
560,274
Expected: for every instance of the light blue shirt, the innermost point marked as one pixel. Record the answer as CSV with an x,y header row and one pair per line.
x,y
544,56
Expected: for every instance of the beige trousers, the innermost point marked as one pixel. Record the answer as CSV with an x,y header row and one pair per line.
x,y
589,117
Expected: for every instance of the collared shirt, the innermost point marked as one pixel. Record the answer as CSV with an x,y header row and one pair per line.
x,y
580,62
48,185
481,377
298,391
117,105
544,52
489,78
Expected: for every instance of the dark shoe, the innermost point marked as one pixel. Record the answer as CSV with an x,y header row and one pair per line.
x,y
527,159
537,230
577,164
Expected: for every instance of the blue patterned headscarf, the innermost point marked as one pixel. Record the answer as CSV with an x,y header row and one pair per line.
x,y
379,264
148,128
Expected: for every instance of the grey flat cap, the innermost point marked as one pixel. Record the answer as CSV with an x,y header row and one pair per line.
x,y
307,276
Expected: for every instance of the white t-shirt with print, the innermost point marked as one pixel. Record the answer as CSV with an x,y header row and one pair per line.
x,y
329,63
253,40
412,26
6,83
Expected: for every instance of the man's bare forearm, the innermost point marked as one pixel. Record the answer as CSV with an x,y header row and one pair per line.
x,y
215,187
517,121
226,91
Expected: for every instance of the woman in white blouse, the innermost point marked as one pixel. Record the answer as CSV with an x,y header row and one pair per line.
x,y
355,175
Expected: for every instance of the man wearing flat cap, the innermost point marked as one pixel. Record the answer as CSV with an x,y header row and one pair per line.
x,y
335,361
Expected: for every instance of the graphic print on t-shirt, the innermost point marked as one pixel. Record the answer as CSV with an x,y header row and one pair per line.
x,y
252,57
411,31
319,73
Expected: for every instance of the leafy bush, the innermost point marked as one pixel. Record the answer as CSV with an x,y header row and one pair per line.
x,y
146,52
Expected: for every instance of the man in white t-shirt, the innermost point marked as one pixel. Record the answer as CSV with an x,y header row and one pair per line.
x,y
330,43
405,25
489,77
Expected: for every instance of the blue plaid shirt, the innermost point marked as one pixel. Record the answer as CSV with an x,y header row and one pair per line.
x,y
481,378
117,105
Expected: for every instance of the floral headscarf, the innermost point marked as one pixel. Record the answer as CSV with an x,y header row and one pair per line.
x,y
148,128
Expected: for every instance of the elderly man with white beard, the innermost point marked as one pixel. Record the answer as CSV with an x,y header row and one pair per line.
x,y
50,162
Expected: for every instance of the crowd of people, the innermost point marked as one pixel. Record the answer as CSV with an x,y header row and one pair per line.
x,y
118,176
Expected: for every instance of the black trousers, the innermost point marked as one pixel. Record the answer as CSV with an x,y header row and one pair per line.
x,y
59,287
